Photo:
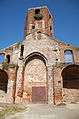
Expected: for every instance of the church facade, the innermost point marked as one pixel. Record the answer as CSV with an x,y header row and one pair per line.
x,y
39,69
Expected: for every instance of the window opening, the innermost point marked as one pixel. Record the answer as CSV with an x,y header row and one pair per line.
x,y
33,27
1,58
37,11
8,58
50,28
68,56
22,50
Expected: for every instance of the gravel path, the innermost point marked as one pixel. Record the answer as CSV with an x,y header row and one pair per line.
x,y
44,111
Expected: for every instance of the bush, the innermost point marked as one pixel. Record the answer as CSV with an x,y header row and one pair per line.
x,y
5,65
73,102
38,17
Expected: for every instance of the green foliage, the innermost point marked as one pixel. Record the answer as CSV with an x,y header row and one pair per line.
x,y
61,104
18,43
5,65
38,17
73,102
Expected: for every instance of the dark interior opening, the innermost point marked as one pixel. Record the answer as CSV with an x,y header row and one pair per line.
x,y
39,35
22,50
3,80
71,77
8,58
33,27
37,11
39,32
49,16
50,28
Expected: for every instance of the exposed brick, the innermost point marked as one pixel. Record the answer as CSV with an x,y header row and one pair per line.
x,y
42,64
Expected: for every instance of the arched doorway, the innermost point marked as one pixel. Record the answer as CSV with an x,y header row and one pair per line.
x,y
3,81
35,80
71,83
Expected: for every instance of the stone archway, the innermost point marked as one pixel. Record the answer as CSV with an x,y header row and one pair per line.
x,y
35,80
3,86
3,80
71,83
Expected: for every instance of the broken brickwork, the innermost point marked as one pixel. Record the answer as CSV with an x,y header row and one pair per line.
x,y
37,70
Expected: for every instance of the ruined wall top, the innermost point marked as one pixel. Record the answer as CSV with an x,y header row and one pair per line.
x,y
38,20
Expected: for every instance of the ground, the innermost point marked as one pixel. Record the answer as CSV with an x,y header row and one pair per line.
x,y
44,111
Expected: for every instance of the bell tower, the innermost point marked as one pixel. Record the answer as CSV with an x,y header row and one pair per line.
x,y
38,20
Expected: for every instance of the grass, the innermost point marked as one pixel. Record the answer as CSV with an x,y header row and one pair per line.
x,y
9,111
73,102
61,104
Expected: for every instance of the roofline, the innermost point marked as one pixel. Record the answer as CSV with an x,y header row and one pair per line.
x,y
37,7
41,7
66,43
10,46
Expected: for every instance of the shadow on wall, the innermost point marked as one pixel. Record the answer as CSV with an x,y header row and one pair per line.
x,y
71,77
3,80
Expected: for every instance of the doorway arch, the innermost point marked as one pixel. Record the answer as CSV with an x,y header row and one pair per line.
x,y
71,83
3,80
35,79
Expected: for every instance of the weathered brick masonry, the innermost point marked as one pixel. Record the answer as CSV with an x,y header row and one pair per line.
x,y
39,69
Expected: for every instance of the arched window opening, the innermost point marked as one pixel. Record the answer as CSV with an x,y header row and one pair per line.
x,y
68,56
37,11
50,28
49,16
3,81
37,15
22,50
51,31
33,27
1,58
8,58
39,35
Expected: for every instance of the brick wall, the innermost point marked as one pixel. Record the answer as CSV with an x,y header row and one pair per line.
x,y
44,25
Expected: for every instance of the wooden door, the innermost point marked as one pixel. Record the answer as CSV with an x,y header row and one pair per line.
x,y
39,94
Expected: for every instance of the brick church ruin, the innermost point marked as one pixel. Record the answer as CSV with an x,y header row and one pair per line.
x,y
39,69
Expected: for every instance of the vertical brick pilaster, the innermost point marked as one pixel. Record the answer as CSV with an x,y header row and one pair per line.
x,y
20,91
57,85
14,84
